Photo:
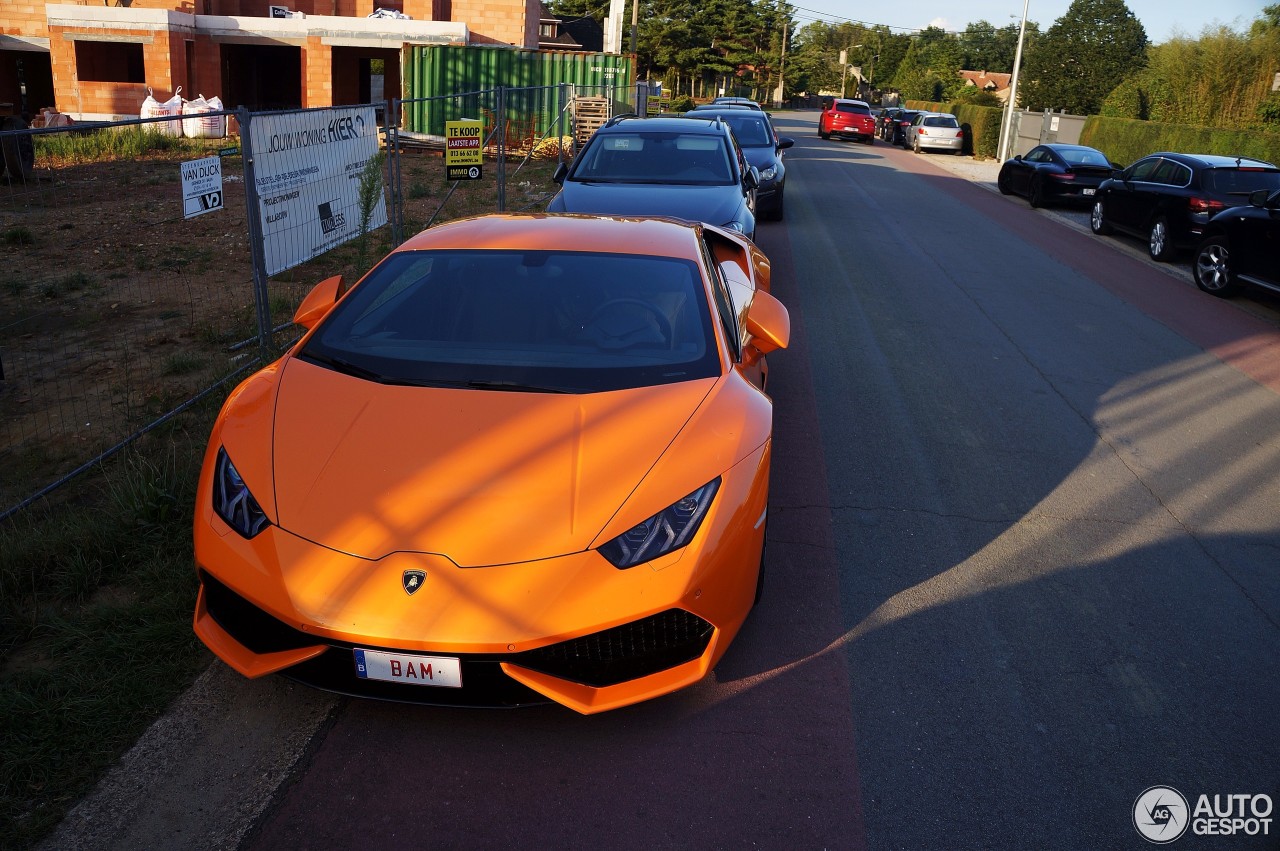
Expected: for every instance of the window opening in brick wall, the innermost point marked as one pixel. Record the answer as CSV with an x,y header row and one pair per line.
x,y
109,62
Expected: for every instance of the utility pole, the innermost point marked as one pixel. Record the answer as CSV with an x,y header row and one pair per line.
x,y
782,62
635,23
1007,129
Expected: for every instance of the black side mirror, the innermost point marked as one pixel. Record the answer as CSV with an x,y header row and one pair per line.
x,y
785,142
751,179
1258,197
561,171
1017,158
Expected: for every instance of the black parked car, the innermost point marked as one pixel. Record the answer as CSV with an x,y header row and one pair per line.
x,y
898,130
680,167
1241,245
1167,198
763,148
884,122
1053,172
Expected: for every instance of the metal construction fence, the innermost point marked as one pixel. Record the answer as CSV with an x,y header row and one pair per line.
x,y
118,310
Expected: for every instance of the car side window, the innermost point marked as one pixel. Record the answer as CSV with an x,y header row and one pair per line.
x,y
1145,169
1039,155
724,303
1171,173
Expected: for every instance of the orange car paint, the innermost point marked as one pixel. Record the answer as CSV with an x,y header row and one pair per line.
x,y
501,504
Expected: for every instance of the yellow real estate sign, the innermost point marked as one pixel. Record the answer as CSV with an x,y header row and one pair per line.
x,y
463,149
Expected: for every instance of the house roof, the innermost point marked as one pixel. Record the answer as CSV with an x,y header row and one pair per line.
x,y
991,81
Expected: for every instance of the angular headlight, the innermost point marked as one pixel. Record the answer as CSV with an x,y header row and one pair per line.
x,y
734,226
232,500
668,530
769,173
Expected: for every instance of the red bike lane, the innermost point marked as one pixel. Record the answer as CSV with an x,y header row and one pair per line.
x,y
761,753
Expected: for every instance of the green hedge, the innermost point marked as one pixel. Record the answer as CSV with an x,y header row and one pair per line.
x,y
981,125
1125,140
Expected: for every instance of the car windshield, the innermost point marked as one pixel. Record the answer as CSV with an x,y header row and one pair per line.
x,y
751,130
1083,156
1241,181
550,321
940,121
856,108
656,157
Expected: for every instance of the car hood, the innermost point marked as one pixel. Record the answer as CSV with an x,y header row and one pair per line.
x,y
717,205
761,157
482,477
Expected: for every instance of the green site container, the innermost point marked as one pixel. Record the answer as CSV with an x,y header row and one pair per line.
x,y
432,72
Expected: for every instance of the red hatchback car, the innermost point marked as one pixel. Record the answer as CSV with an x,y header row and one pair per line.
x,y
851,119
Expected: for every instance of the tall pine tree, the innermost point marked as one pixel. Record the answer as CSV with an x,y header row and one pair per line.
x,y
1084,55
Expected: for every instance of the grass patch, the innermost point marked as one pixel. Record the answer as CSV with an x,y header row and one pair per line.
x,y
95,626
125,143
19,236
183,364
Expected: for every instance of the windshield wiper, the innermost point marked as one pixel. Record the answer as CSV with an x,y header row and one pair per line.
x,y
347,368
513,386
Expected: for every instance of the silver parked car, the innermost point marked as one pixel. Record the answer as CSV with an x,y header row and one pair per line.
x,y
935,131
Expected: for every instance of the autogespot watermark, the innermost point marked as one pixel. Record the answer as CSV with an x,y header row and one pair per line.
x,y
1162,814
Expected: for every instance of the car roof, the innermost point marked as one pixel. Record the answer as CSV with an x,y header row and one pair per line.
x,y
1213,160
678,124
658,236
851,100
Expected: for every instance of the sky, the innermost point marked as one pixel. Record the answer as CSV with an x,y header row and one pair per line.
x,y
1162,19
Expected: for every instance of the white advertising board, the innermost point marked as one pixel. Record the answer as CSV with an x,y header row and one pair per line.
x,y
307,168
201,186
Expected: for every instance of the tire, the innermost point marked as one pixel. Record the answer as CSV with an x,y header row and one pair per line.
x,y
1212,270
870,140
1159,245
1002,183
760,572
1036,196
774,213
915,146
1098,219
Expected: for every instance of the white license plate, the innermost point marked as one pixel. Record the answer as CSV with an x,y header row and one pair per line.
x,y
408,668
1088,191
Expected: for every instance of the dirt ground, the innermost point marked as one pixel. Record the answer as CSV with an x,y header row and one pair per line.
x,y
114,309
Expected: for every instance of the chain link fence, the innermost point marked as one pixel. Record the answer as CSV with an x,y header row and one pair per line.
x,y
117,311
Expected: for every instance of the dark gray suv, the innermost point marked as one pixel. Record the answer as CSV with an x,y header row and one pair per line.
x,y
684,168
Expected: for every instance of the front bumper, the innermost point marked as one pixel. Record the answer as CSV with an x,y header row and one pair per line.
x,y
571,629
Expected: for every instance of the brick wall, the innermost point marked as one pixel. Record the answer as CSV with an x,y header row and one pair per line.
x,y
317,73
24,18
500,21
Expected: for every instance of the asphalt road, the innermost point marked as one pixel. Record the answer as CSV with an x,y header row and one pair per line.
x,y
1023,565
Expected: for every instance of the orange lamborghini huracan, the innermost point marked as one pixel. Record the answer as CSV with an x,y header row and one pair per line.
x,y
524,458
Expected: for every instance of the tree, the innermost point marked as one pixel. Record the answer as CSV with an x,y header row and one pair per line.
x,y
1083,57
1221,79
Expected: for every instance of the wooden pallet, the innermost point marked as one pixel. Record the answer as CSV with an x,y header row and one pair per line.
x,y
589,114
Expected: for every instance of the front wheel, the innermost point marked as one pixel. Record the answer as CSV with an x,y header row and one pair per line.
x,y
1212,268
1098,219
1003,184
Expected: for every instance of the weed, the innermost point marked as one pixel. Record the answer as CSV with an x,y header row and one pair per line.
x,y
182,364
74,282
19,236
418,191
